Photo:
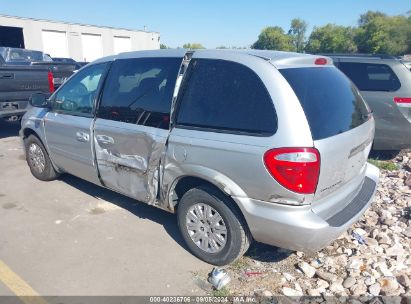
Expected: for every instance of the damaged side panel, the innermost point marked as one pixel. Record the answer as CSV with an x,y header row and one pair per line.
x,y
128,158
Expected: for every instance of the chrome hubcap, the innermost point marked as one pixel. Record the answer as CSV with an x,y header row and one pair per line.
x,y
36,158
206,228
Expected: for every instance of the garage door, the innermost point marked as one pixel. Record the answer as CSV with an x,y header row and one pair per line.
x,y
55,43
92,47
122,44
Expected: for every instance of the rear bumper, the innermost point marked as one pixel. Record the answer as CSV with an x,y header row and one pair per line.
x,y
13,108
300,227
9,113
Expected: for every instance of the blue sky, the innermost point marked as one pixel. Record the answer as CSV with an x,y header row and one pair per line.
x,y
212,22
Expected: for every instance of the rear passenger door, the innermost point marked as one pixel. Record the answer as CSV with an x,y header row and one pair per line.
x,y
224,115
132,124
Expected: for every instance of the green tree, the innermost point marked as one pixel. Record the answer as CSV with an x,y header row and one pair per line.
x,y
331,38
368,16
409,34
163,46
379,33
193,46
297,31
274,38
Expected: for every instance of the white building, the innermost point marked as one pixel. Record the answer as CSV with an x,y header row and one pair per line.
x,y
78,41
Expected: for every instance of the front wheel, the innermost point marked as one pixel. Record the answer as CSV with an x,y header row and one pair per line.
x,y
38,159
213,229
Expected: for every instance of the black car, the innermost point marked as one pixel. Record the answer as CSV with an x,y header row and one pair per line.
x,y
79,65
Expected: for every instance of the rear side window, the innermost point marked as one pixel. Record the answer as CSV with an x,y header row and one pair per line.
x,y
226,96
330,101
140,91
371,77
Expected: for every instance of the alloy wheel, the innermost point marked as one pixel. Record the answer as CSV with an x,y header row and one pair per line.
x,y
206,228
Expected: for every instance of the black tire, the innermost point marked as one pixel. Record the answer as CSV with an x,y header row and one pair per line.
x,y
47,173
238,237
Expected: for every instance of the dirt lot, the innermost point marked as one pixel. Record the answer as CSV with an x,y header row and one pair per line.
x,y
70,237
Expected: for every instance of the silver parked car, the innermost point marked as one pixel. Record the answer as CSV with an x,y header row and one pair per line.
x,y
242,145
385,83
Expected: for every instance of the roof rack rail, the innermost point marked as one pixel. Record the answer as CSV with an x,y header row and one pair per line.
x,y
359,55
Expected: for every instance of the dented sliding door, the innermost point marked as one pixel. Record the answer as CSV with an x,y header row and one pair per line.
x,y
128,157
132,124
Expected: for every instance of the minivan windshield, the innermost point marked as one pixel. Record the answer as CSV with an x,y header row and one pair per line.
x,y
331,102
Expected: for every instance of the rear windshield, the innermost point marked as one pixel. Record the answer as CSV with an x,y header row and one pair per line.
x,y
330,101
370,76
15,55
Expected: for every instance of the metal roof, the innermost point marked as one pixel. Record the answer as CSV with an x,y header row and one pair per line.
x,y
80,24
278,58
359,55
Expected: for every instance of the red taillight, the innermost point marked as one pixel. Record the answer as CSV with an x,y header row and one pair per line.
x,y
51,82
402,99
320,61
297,169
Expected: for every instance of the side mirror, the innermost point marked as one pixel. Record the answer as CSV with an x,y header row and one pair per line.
x,y
39,100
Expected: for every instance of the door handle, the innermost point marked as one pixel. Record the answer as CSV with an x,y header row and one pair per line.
x,y
7,76
105,140
82,136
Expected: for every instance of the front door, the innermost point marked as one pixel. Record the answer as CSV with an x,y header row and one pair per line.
x,y
68,126
132,124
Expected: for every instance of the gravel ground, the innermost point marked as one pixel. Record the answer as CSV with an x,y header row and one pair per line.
x,y
371,259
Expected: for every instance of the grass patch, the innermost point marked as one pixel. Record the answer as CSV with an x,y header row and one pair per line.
x,y
385,165
239,264
223,292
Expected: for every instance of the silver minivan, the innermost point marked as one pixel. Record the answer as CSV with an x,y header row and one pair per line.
x,y
385,84
241,145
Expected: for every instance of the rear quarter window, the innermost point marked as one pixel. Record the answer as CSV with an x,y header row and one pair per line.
x,y
330,101
225,96
370,76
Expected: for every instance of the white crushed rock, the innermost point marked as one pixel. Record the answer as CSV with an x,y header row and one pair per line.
x,y
380,267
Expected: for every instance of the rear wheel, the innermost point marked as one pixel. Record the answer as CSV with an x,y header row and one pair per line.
x,y
38,159
213,229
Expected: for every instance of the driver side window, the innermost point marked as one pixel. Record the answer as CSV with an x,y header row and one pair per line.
x,y
78,94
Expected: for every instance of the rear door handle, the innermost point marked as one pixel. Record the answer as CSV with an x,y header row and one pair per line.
x,y
105,140
7,76
82,136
